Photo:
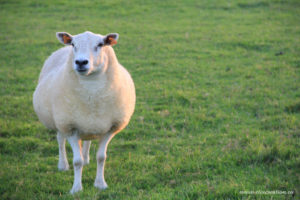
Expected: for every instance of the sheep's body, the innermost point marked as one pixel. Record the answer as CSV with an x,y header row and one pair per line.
x,y
91,105
95,105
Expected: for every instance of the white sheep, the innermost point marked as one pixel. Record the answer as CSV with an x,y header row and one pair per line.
x,y
84,93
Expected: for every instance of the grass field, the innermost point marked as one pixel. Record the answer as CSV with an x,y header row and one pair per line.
x,y
218,99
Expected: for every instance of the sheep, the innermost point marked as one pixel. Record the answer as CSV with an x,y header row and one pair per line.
x,y
83,93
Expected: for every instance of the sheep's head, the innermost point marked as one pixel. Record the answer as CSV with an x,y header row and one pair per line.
x,y
87,48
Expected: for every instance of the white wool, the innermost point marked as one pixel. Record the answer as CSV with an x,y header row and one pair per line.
x,y
96,103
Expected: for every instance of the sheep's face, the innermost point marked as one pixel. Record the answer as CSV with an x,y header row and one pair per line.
x,y
87,50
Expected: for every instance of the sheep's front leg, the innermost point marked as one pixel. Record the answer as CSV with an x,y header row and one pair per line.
x,y
63,164
86,151
75,143
101,157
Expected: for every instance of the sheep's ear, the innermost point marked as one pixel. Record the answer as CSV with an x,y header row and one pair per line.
x,y
64,37
111,39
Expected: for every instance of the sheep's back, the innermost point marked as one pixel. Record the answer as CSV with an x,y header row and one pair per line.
x,y
42,97
55,61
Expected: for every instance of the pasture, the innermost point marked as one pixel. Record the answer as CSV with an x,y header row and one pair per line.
x,y
218,99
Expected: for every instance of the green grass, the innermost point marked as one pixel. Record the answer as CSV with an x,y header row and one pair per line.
x,y
218,105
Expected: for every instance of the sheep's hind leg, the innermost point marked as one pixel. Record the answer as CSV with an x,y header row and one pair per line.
x,y
101,157
63,164
86,151
75,143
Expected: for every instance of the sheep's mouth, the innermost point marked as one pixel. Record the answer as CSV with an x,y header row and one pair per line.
x,y
82,70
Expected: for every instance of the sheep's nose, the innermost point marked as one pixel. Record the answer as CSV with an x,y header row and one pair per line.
x,y
81,62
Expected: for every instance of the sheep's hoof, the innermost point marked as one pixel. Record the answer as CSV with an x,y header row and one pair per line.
x,y
76,188
63,166
100,185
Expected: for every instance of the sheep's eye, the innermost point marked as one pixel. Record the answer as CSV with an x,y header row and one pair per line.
x,y
72,44
100,44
